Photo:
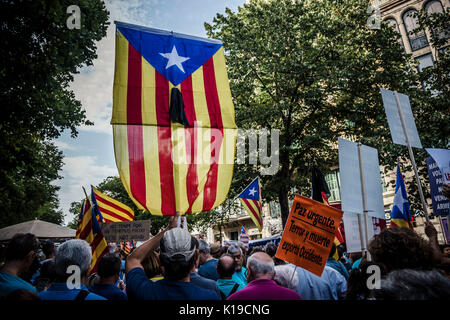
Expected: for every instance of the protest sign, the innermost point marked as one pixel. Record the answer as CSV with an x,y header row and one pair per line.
x,y
350,179
440,203
399,114
309,233
395,121
442,158
126,231
244,239
353,234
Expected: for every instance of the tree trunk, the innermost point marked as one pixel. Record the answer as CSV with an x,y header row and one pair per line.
x,y
284,205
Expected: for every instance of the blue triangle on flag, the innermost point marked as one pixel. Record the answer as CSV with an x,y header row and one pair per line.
x,y
400,208
252,191
173,55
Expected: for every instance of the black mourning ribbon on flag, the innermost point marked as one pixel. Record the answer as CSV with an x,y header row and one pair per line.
x,y
176,109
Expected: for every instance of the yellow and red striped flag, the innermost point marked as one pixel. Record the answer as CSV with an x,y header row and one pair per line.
x,y
251,200
173,120
126,248
91,232
110,210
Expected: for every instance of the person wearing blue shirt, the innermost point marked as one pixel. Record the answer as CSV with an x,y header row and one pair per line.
x,y
226,267
336,265
240,274
70,256
208,264
21,254
108,270
199,280
178,254
312,287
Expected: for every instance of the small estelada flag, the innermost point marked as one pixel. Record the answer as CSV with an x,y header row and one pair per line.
x,y
109,209
251,200
401,214
90,231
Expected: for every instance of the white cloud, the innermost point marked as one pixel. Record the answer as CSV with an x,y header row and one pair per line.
x,y
93,86
64,146
78,172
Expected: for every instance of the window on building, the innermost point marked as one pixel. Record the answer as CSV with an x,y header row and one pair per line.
x,y
234,235
435,6
425,61
393,24
333,181
256,236
275,209
416,35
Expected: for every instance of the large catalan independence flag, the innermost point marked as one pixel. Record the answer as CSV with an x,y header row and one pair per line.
x,y
173,120
109,209
252,202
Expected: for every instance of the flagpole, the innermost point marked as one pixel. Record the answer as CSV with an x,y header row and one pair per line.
x,y
232,201
85,192
363,191
293,273
411,155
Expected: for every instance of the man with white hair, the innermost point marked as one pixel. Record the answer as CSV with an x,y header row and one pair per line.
x,y
72,261
286,277
261,286
240,274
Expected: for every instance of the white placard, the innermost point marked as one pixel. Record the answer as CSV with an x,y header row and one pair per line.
x,y
351,193
352,234
395,125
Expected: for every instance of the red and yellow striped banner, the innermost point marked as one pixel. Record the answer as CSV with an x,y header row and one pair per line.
x,y
166,166
112,210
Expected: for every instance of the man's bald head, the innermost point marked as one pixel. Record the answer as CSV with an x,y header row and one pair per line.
x,y
226,266
260,266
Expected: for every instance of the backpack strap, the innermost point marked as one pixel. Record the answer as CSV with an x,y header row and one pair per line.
x,y
222,295
81,296
236,286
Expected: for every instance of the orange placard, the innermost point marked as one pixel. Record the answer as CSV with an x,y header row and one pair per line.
x,y
309,234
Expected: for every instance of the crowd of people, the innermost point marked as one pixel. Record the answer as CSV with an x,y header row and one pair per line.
x,y
174,265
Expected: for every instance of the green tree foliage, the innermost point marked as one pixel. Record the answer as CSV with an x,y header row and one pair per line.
x,y
313,70
40,55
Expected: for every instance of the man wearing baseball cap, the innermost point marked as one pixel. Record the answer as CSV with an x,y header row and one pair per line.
x,y
178,254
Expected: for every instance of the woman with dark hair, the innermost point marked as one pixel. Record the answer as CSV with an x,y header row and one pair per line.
x,y
401,248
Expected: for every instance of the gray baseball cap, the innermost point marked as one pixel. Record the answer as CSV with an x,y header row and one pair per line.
x,y
177,245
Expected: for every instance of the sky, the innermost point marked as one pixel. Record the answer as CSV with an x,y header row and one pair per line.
x,y
89,158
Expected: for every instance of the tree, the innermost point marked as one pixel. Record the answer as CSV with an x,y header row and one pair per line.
x,y
313,70
40,55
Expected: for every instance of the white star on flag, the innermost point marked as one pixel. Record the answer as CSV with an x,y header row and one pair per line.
x,y
399,200
252,191
174,59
